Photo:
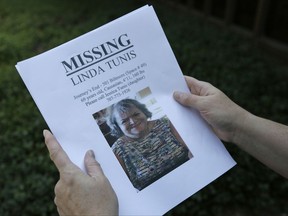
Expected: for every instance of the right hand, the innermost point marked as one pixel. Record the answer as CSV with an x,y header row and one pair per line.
x,y
77,193
221,113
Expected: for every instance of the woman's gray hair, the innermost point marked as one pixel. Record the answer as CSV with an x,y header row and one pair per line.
x,y
123,106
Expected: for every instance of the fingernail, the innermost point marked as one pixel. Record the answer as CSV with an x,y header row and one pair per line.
x,y
44,132
177,95
91,153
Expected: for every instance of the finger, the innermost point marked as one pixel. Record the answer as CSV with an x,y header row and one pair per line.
x,y
198,87
60,212
193,84
58,206
56,201
186,99
57,154
92,166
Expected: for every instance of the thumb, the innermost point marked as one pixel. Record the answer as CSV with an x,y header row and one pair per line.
x,y
92,166
57,154
187,99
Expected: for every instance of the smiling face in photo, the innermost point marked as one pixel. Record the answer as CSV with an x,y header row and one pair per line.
x,y
132,122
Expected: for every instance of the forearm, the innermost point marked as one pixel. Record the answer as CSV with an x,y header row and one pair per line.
x,y
265,140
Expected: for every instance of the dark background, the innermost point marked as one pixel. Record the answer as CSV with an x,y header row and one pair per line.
x,y
251,76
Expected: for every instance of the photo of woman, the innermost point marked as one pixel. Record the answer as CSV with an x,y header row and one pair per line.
x,y
146,149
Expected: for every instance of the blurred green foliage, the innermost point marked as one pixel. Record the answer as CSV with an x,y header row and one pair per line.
x,y
234,64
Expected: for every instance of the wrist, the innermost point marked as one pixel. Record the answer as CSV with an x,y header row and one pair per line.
x,y
243,119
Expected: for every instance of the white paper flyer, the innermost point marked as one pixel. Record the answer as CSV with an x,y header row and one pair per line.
x,y
110,90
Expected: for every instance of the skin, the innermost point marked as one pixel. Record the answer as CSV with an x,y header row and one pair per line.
x,y
265,140
77,193
133,123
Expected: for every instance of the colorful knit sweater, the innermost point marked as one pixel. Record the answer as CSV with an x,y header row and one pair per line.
x,y
151,157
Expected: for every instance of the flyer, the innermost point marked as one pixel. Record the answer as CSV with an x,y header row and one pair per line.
x,y
110,90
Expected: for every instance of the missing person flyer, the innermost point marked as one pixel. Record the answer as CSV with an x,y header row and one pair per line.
x,y
110,90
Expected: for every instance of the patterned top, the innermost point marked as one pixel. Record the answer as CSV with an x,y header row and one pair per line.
x,y
153,156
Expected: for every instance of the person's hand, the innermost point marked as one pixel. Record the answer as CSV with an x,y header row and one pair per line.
x,y
214,106
77,193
